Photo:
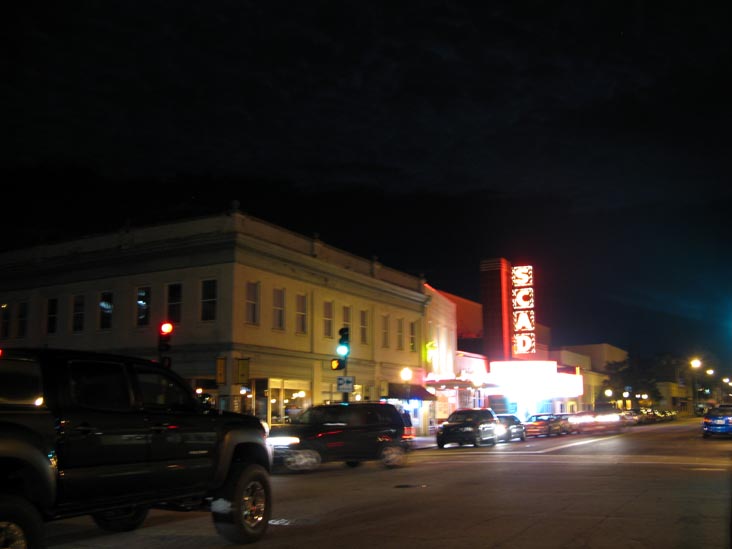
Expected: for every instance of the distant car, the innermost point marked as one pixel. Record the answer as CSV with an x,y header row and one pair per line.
x,y
474,426
509,428
717,421
631,417
350,432
600,422
543,425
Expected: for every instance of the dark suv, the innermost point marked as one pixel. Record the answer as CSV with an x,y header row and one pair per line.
x,y
112,436
350,432
474,426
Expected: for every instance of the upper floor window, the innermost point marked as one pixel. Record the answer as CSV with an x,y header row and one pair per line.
x,y
106,308
364,327
328,319
142,306
209,296
400,334
5,320
412,336
251,312
347,316
175,303
52,315
385,331
278,309
301,314
22,319
77,313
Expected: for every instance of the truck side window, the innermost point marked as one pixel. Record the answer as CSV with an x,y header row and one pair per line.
x,y
161,392
101,385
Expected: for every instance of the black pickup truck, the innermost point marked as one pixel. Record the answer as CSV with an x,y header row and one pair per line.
x,y
112,437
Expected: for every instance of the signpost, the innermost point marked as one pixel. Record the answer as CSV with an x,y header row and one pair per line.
x,y
345,384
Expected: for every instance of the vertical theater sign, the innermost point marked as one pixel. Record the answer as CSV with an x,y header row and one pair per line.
x,y
522,299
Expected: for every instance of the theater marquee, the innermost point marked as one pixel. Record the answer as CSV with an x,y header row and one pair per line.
x,y
522,298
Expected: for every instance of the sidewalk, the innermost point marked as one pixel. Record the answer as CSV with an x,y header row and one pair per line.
x,y
420,443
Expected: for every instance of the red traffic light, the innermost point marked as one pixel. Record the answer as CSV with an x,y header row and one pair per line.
x,y
164,332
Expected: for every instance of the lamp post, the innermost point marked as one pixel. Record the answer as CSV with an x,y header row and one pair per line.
x,y
695,365
711,391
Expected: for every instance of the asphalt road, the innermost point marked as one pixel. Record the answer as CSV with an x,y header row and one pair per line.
x,y
656,486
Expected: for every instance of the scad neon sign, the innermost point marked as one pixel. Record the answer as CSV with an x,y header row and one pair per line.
x,y
522,298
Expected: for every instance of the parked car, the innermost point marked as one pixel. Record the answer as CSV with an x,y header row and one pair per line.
x,y
509,428
543,425
352,432
474,426
717,421
645,415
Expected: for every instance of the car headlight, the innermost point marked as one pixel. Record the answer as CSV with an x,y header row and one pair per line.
x,y
501,429
282,441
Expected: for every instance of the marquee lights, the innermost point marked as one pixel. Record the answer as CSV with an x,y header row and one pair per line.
x,y
522,298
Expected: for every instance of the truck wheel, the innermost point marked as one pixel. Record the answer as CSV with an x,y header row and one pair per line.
x,y
243,514
125,519
21,524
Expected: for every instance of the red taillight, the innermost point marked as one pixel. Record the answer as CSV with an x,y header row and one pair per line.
x,y
409,432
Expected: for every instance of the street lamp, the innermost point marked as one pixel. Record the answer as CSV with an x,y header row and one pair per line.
x,y
695,365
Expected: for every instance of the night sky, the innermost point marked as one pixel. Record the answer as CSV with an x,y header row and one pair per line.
x,y
589,139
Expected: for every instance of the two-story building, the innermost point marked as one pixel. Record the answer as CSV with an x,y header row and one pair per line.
x,y
256,311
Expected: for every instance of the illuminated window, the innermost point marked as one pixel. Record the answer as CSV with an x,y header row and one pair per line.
x,y
106,307
142,306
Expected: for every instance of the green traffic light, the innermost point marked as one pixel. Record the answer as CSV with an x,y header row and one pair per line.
x,y
344,347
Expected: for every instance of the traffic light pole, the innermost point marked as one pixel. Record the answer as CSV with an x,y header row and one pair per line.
x,y
344,349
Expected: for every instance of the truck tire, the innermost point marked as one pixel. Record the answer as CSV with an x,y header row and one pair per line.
x,y
121,520
21,524
243,514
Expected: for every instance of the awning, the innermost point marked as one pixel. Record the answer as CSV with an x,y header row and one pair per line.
x,y
404,391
